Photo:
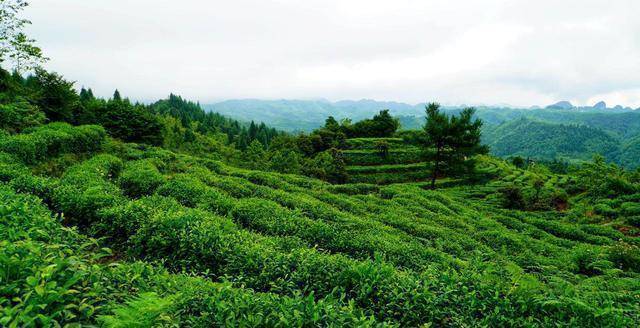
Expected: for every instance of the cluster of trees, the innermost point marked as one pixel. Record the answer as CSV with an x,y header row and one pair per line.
x,y
192,115
43,97
174,123
534,196
48,97
319,153
594,191
555,165
380,126
183,125
450,143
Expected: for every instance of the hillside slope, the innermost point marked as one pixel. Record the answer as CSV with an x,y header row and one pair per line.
x,y
542,140
273,249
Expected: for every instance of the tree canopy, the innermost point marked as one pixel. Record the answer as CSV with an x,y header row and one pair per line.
x,y
451,141
15,45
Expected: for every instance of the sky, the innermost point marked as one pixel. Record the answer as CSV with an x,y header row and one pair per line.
x,y
517,52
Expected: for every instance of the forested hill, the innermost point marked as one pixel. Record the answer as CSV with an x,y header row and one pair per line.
x,y
191,114
307,115
573,133
543,140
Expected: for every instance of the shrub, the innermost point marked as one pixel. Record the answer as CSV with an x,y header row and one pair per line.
x,y
18,116
634,221
512,197
394,156
10,167
185,189
140,178
630,209
146,310
39,186
216,201
626,256
51,140
355,189
85,188
605,210
588,260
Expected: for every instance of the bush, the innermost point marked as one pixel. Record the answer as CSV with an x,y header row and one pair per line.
x,y
605,210
216,201
328,166
512,197
630,209
185,189
85,188
625,256
51,140
634,221
18,116
140,178
146,310
10,167
39,186
355,189
394,156
588,261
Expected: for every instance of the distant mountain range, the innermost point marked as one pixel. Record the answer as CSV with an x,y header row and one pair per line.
x,y
560,130
601,105
306,115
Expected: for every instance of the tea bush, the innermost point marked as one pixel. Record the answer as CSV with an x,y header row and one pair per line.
x,y
50,277
317,254
140,178
51,140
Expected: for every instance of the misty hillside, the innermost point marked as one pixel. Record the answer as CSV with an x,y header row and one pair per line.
x,y
561,130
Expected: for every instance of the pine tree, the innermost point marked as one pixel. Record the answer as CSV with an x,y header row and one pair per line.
x,y
253,131
451,141
116,96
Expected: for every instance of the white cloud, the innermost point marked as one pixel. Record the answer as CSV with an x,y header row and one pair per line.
x,y
496,51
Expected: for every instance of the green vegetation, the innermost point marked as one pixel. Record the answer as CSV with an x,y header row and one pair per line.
x,y
172,222
551,141
454,140
314,254
543,134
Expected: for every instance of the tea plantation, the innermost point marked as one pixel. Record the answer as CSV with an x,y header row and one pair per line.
x,y
95,231
384,161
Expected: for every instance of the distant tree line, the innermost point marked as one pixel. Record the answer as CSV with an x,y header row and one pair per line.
x,y
47,97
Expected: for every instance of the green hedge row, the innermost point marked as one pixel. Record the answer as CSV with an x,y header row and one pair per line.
x,y
198,241
395,156
194,240
391,168
388,178
304,217
371,143
51,140
51,277
358,239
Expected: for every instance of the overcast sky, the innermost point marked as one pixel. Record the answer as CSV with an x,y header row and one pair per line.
x,y
520,52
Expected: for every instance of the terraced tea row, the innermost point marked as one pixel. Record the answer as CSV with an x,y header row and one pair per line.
x,y
396,253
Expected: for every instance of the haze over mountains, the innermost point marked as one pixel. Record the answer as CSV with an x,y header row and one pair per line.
x,y
558,131
306,115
